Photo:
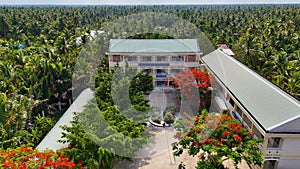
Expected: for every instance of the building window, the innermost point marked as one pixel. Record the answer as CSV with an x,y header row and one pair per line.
x,y
146,58
116,58
231,102
190,58
174,71
132,58
270,164
275,142
176,59
239,111
248,122
161,71
161,58
257,133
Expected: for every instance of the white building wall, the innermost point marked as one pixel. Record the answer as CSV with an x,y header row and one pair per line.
x,y
290,154
289,163
291,147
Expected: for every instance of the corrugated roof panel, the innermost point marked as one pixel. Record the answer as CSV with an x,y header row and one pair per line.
x,y
268,104
154,45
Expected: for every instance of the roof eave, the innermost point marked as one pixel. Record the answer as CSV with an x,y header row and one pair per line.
x,y
151,53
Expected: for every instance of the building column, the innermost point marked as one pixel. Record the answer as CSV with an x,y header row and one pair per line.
x,y
138,59
265,146
243,116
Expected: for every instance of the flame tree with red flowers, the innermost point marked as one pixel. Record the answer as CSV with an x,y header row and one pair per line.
x,y
194,85
214,139
25,157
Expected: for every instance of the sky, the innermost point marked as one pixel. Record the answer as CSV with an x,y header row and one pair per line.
x,y
141,2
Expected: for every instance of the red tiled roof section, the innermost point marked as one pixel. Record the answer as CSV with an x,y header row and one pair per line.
x,y
223,46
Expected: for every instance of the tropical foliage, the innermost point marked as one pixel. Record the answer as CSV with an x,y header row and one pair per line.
x,y
194,84
39,47
215,139
110,127
25,157
14,138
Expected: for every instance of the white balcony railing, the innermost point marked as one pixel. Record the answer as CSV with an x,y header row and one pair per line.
x,y
153,64
133,63
273,151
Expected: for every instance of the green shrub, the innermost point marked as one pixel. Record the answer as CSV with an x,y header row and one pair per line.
x,y
156,117
42,126
171,108
169,118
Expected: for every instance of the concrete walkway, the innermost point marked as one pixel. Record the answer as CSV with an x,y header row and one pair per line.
x,y
157,99
159,143
158,153
50,141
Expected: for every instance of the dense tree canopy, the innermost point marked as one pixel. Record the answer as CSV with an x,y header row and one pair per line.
x,y
110,126
39,47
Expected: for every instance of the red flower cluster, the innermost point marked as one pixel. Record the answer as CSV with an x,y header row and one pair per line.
x,y
225,118
196,119
196,143
192,79
225,134
26,157
237,138
178,136
188,124
214,130
207,141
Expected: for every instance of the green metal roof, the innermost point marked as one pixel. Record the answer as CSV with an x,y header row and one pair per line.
x,y
273,108
153,45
